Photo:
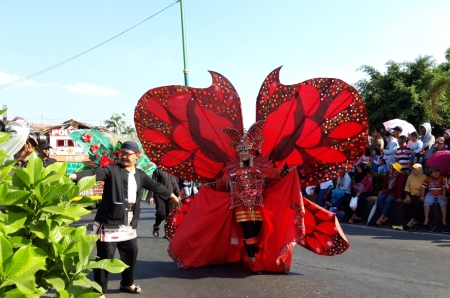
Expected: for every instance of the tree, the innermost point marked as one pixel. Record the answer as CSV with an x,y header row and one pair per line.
x,y
40,249
116,123
128,130
400,92
438,95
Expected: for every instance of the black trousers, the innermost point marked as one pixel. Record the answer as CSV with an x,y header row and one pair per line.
x,y
414,209
250,229
128,251
163,207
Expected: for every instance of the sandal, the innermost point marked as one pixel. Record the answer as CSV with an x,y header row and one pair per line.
x,y
136,290
155,231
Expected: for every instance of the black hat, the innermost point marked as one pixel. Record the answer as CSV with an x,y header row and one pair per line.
x,y
130,145
46,146
398,128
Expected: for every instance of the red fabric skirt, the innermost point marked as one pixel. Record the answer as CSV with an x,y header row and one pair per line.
x,y
205,230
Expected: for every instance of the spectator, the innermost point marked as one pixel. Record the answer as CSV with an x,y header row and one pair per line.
x,y
382,167
403,154
163,205
391,148
392,190
376,155
413,206
427,139
46,159
377,139
416,149
440,145
324,186
447,138
361,188
344,183
397,132
189,188
435,184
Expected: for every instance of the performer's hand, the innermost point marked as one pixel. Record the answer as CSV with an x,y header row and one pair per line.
x,y
150,201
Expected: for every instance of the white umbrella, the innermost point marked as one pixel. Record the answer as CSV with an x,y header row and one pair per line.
x,y
407,127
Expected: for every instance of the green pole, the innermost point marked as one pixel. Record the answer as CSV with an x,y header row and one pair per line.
x,y
183,33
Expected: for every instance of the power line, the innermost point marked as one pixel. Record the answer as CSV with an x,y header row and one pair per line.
x,y
82,53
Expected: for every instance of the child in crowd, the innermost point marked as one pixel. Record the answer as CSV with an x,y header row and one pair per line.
x,y
403,154
382,167
436,185
376,155
417,146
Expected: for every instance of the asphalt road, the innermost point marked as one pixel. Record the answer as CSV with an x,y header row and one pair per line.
x,y
380,263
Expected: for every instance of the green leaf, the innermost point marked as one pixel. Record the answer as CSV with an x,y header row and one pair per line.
x,y
84,252
18,241
25,283
4,172
63,294
57,192
40,229
70,211
86,183
113,266
57,167
55,232
15,197
52,177
91,284
23,175
15,222
57,283
84,201
67,262
6,251
24,262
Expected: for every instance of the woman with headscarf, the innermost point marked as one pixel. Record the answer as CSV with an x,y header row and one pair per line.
x,y
413,206
392,189
361,188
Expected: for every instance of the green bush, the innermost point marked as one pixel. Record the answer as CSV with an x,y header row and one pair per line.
x,y
39,250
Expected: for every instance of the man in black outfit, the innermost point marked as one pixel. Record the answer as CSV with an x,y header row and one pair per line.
x,y
47,160
119,211
163,206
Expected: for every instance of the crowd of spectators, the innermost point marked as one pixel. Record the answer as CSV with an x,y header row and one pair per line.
x,y
410,194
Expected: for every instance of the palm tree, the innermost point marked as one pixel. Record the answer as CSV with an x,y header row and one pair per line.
x,y
116,123
128,130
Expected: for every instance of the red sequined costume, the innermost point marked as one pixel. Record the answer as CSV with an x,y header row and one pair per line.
x,y
320,126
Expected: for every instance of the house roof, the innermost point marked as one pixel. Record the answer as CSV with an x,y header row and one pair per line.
x,y
45,128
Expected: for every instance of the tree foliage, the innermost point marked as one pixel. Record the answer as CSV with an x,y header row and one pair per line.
x,y
39,249
116,123
401,92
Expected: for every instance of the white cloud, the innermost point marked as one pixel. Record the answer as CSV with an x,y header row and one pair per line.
x,y
89,89
7,78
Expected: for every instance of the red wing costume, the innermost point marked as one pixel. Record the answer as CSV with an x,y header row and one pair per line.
x,y
319,126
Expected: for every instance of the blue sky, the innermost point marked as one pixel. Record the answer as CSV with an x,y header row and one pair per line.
x,y
242,40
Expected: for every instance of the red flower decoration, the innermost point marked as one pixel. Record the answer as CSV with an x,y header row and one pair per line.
x,y
94,148
96,156
86,137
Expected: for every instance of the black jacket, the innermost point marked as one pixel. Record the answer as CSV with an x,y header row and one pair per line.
x,y
113,209
166,179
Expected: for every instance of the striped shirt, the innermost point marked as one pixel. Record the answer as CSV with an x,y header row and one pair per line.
x,y
402,156
435,186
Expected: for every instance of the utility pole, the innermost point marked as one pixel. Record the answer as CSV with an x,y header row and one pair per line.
x,y
183,33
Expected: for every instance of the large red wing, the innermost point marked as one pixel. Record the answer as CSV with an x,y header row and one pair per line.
x,y
320,125
179,127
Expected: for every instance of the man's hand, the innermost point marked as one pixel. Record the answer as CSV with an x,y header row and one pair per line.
x,y
150,201
176,200
407,199
422,198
